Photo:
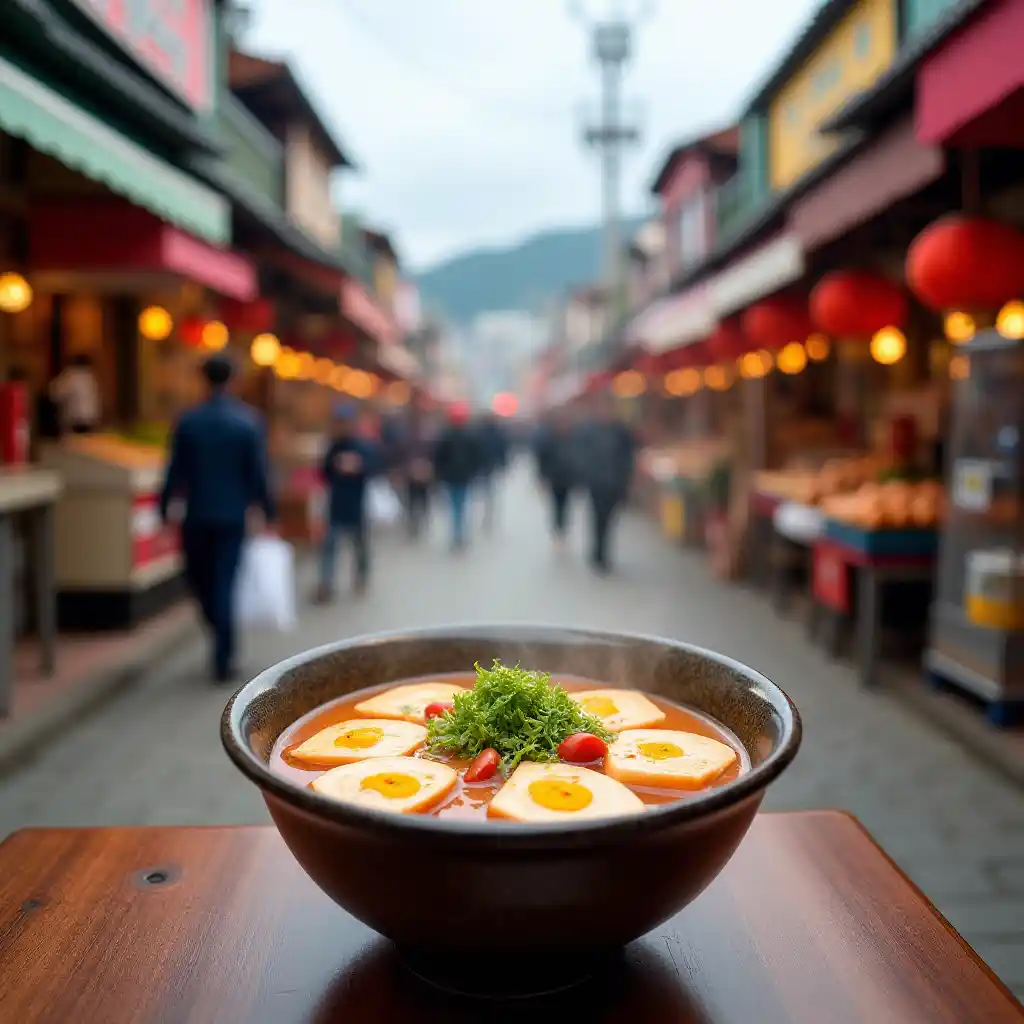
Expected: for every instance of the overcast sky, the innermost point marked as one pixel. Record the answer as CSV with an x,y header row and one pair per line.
x,y
464,115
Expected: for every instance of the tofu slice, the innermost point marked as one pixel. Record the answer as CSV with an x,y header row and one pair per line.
x,y
357,739
402,785
545,793
408,702
666,759
620,709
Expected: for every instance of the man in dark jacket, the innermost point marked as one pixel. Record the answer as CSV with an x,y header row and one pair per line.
x,y
494,458
218,465
604,453
416,463
349,464
555,468
457,463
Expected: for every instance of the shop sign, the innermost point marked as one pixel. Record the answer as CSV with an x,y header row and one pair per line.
x,y
170,38
151,539
831,578
972,485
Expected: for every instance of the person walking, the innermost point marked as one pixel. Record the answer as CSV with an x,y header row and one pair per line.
x,y
417,461
76,393
350,462
554,455
218,466
494,450
604,453
457,464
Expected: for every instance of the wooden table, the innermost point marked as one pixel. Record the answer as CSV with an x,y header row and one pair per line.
x,y
809,923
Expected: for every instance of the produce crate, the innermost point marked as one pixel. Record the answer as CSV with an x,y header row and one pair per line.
x,y
906,543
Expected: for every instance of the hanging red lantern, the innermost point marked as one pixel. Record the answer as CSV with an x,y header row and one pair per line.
x,y
963,262
728,342
255,317
190,331
856,304
774,323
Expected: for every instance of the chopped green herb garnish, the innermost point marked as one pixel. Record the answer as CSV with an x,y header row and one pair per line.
x,y
519,713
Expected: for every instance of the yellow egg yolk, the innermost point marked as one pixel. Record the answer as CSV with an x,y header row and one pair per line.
x,y
360,739
559,795
392,785
660,751
600,706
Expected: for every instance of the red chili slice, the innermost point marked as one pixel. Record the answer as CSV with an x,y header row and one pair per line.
x,y
437,709
582,747
484,765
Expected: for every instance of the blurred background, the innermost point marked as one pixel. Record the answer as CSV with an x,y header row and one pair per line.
x,y
781,244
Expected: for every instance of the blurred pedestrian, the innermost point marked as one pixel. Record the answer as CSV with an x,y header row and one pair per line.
x,y
218,465
457,463
555,469
494,449
604,453
76,393
351,460
417,462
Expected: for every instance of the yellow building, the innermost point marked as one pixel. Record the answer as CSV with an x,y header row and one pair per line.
x,y
855,53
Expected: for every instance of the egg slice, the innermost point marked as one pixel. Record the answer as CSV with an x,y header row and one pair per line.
x,y
666,759
404,785
358,739
620,709
543,793
408,702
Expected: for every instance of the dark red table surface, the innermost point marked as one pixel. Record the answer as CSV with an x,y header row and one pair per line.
x,y
810,922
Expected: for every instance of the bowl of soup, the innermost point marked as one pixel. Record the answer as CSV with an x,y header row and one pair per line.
x,y
511,799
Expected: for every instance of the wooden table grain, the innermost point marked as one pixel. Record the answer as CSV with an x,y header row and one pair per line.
x,y
809,924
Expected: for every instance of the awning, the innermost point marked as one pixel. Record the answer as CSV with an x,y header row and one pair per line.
x,y
110,236
55,126
971,91
774,265
674,321
892,167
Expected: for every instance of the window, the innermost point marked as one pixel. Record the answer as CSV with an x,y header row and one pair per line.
x,y
826,79
862,41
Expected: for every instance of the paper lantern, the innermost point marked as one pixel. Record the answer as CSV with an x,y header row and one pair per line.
x,y
775,322
857,304
728,342
964,262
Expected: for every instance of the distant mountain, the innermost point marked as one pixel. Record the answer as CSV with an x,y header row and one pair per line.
x,y
524,276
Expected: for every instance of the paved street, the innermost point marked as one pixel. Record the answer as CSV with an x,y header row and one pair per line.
x,y
153,756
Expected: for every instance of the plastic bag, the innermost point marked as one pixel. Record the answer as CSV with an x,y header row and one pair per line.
x,y
382,503
265,589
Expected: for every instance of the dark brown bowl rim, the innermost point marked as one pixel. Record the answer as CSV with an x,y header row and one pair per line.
x,y
509,833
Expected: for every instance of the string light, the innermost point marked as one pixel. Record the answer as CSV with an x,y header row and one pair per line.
x,y
15,293
792,359
682,383
155,323
264,350
888,346
818,347
959,327
215,337
1010,321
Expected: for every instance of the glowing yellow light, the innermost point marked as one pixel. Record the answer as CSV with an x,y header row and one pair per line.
x,y
682,383
629,384
265,349
960,327
1010,322
358,384
306,366
818,347
960,367
15,293
754,365
793,358
323,370
718,378
888,346
337,378
215,337
374,383
398,393
155,323
287,365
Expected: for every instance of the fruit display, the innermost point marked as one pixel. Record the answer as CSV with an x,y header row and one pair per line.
x,y
896,505
812,487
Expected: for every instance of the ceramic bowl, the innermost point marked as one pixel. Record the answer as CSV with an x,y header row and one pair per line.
x,y
483,892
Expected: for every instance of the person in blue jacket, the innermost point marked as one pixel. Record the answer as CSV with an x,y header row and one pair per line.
x,y
218,466
351,461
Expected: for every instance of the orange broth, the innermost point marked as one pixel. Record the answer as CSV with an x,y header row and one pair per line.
x,y
470,801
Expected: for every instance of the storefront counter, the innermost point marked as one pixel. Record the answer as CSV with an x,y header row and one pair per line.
x,y
116,563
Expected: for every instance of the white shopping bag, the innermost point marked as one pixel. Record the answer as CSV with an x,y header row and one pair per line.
x,y
265,590
382,503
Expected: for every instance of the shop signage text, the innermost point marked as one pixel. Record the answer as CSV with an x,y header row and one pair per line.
x,y
170,38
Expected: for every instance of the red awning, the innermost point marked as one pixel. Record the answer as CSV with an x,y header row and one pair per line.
x,y
971,91
110,236
366,314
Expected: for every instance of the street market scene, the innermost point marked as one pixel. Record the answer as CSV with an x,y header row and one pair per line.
x,y
389,595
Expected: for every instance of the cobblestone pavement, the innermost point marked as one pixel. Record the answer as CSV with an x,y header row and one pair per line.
x,y
153,755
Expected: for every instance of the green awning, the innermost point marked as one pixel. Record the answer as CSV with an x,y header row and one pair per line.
x,y
55,126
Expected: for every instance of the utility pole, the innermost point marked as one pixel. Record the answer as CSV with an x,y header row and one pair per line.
x,y
612,43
